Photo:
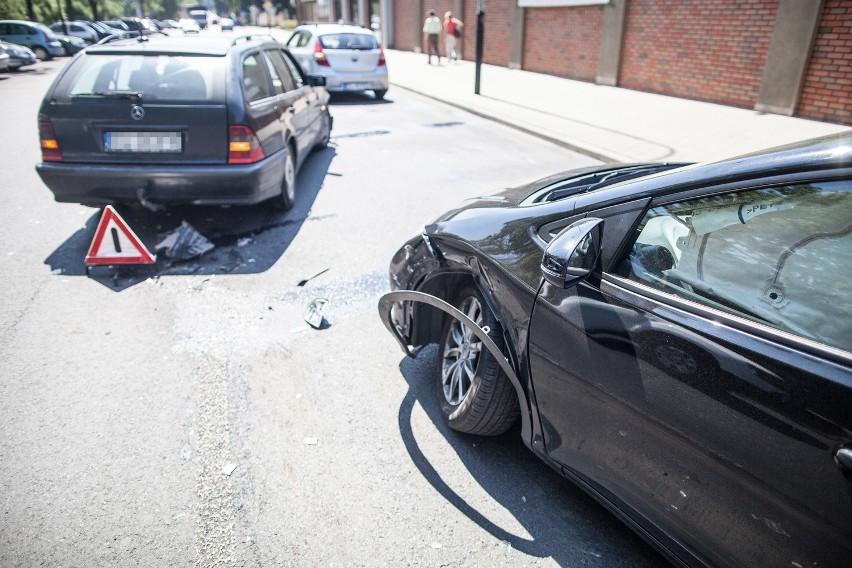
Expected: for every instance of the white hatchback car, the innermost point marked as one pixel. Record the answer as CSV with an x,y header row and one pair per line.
x,y
349,57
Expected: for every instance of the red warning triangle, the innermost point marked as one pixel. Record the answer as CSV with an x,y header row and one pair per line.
x,y
116,243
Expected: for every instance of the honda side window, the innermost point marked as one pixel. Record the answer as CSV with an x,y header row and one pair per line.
x,y
781,256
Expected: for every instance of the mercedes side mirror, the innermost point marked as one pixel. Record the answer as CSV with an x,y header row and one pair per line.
x,y
316,80
574,253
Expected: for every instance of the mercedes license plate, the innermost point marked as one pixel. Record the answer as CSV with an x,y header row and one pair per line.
x,y
161,142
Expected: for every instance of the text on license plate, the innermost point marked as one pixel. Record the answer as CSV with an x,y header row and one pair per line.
x,y
356,86
168,142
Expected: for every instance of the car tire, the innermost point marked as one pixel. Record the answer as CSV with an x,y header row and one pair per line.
x,y
380,94
284,201
41,53
326,131
475,394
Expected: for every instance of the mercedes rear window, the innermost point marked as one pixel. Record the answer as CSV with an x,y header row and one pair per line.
x,y
348,41
149,77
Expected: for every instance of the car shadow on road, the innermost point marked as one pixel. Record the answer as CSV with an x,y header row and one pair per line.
x,y
562,521
34,70
246,240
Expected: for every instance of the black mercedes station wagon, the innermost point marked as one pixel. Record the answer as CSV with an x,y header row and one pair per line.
x,y
676,341
192,120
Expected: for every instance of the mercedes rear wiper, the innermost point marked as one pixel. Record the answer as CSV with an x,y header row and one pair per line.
x,y
132,95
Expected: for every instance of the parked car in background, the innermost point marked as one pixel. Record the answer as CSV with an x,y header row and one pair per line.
x,y
19,56
189,26
679,344
201,17
4,59
349,57
115,24
71,44
78,29
103,30
226,24
195,120
140,25
38,37
170,25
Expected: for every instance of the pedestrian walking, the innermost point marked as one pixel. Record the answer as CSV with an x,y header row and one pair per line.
x,y
432,28
452,31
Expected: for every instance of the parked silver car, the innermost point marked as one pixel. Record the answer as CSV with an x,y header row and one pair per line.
x,y
4,59
19,56
77,29
349,57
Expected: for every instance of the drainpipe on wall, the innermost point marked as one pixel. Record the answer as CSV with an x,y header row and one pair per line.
x,y
418,26
386,14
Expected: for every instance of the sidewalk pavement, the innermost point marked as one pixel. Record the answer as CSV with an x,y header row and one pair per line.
x,y
608,123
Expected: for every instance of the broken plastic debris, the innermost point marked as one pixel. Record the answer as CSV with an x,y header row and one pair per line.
x,y
184,243
309,278
314,314
228,468
311,441
245,241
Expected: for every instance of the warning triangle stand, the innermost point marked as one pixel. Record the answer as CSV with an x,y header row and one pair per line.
x,y
116,243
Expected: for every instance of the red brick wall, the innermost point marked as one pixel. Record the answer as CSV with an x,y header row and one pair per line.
x,y
712,50
827,88
498,31
563,41
403,21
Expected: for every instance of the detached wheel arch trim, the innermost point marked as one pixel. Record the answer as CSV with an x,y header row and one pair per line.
x,y
387,301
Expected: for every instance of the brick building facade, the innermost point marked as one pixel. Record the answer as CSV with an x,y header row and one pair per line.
x,y
786,56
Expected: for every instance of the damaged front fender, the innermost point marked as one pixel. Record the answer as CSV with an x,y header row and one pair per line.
x,y
386,303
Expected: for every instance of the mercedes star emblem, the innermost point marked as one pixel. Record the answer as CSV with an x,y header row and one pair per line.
x,y
137,112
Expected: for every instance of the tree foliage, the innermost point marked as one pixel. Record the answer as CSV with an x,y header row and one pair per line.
x,y
47,11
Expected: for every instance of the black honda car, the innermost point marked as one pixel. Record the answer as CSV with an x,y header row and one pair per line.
x,y
181,120
675,340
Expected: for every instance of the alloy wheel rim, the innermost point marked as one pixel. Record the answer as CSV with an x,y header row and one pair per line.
x,y
289,177
461,355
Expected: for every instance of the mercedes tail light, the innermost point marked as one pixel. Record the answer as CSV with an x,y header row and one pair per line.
x,y
243,145
319,56
50,151
381,56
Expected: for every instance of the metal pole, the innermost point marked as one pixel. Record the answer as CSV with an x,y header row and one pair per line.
x,y
480,36
62,18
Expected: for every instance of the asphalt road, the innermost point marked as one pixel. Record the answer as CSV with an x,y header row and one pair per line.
x,y
187,416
